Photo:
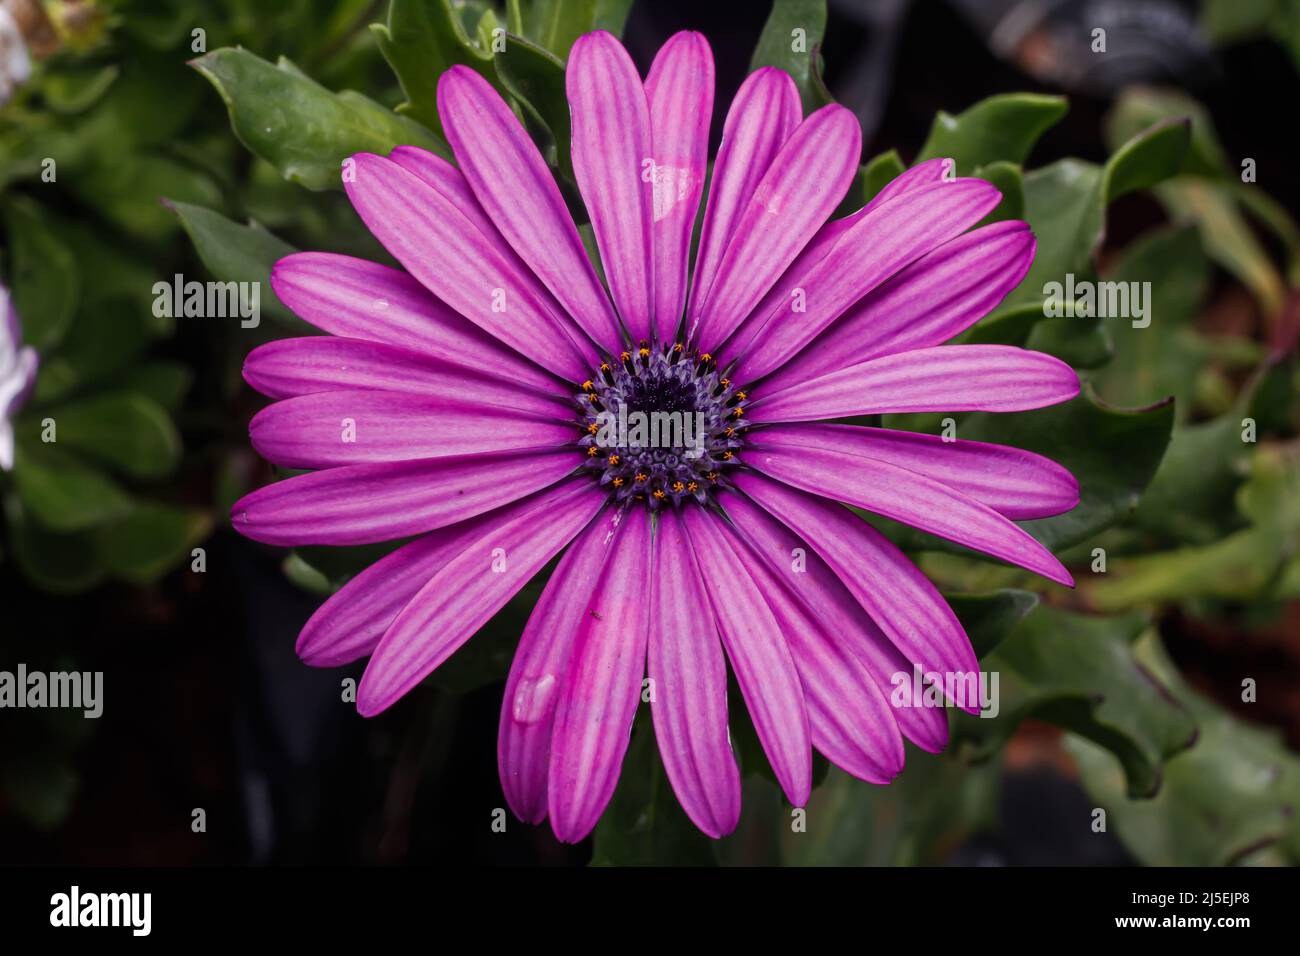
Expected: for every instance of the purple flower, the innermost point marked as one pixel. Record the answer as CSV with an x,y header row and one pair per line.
x,y
472,403
18,365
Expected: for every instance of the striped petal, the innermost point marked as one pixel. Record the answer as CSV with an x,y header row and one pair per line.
x,y
843,620
899,598
364,300
327,429
689,671
1013,482
362,504
516,189
761,118
466,591
759,655
598,699
611,146
873,249
796,195
539,668
680,92
911,498
947,378
350,623
428,235
285,368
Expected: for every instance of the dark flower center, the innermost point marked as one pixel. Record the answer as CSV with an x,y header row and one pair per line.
x,y
661,425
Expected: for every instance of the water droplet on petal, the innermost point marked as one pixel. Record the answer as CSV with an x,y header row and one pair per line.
x,y
533,699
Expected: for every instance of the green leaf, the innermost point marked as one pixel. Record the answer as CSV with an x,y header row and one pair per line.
x,y
1008,179
1000,128
1234,795
791,40
162,382
298,125
105,340
62,563
988,618
535,78
125,431
555,24
422,40
644,825
128,193
43,275
879,172
1112,452
150,540
62,493
235,253
1081,673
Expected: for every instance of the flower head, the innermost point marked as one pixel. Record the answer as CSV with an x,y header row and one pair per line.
x,y
495,387
18,365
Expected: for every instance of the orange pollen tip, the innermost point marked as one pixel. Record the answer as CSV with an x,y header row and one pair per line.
x,y
592,452
659,493
678,486
678,347
644,353
727,456
640,477
625,356
741,395
593,428
613,459
588,385
618,482
693,486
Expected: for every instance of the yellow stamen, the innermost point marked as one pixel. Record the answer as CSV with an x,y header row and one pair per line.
x,y
613,459
640,477
591,451
678,487
659,493
617,482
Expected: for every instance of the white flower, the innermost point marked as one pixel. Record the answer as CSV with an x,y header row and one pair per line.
x,y
15,63
17,375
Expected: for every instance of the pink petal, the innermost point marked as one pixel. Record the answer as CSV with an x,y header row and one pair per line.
x,y
364,300
899,598
909,497
428,235
849,719
516,189
878,245
600,691
843,619
827,237
1015,483
689,672
947,378
761,118
362,504
932,300
760,657
539,668
801,188
680,91
466,591
326,429
611,146
350,623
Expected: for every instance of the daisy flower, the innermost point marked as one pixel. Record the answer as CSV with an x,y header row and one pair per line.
x,y
18,365
460,403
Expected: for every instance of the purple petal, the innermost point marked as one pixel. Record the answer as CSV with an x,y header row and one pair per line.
x,y
843,619
516,189
899,598
946,378
878,245
326,429
350,623
821,245
428,235
849,719
801,188
362,504
539,668
757,649
611,145
284,368
600,691
1013,482
466,591
680,91
909,497
932,300
364,300
689,672
761,118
